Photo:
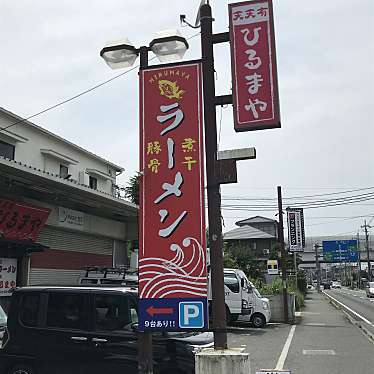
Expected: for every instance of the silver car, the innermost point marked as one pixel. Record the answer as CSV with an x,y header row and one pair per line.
x,y
3,320
370,289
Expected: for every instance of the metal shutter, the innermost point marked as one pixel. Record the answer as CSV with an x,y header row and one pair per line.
x,y
54,276
59,239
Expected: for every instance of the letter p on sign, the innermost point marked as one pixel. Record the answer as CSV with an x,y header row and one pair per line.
x,y
191,314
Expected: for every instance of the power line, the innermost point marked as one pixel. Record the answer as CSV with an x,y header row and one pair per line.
x,y
313,204
226,197
80,94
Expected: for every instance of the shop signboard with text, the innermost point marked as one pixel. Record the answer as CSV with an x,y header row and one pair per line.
x,y
8,275
253,65
21,221
172,249
296,231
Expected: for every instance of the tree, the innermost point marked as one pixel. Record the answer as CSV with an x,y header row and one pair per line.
x,y
132,190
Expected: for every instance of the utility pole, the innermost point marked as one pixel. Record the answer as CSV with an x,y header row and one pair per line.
x,y
318,268
213,183
365,227
359,261
283,255
295,266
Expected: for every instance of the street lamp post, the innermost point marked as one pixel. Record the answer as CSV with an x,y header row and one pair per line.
x,y
167,46
170,46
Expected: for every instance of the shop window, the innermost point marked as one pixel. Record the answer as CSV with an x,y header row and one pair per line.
x,y
65,311
93,182
115,313
7,150
29,310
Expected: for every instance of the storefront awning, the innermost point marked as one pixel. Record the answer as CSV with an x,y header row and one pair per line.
x,y
16,247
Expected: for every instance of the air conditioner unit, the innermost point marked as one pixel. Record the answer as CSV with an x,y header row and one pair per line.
x,y
83,178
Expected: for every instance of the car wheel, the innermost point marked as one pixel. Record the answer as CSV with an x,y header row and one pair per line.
x,y
258,320
21,369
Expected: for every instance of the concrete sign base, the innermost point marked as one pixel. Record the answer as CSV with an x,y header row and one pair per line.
x,y
233,361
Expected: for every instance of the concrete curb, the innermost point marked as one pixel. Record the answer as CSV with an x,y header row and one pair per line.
x,y
358,324
249,327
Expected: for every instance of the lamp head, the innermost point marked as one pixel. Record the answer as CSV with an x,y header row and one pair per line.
x,y
119,54
169,45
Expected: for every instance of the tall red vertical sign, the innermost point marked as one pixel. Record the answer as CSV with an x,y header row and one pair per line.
x,y
172,249
253,60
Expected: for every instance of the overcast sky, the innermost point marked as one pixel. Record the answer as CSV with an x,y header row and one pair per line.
x,y
50,52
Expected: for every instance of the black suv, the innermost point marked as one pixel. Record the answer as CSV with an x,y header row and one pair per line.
x,y
86,330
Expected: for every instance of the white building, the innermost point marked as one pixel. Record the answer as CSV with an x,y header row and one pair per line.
x,y
87,224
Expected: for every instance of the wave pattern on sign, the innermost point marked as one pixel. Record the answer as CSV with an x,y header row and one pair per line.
x,y
182,276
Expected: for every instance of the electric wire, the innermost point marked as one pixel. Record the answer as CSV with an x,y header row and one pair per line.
x,y
80,94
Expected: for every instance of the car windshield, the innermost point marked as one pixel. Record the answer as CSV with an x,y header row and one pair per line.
x,y
371,284
256,292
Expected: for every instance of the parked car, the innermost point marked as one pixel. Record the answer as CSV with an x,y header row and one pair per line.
x,y
91,330
336,284
369,289
243,299
3,321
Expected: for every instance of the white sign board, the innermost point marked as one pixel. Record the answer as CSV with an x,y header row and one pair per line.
x,y
273,267
273,372
70,218
8,275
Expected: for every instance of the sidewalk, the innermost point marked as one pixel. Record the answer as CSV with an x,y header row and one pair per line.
x,y
324,342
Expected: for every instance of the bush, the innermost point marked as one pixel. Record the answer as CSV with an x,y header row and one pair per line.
x,y
273,288
299,300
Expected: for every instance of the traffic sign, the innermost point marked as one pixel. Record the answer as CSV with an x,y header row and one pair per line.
x,y
191,314
340,250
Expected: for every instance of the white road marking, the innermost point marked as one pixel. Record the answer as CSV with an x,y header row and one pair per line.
x,y
351,310
286,347
315,324
324,352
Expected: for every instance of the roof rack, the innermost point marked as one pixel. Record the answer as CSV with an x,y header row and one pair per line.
x,y
120,270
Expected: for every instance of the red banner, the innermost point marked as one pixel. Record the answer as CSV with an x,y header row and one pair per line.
x,y
21,221
172,252
254,72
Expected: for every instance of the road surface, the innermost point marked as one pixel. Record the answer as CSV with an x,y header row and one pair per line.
x,y
361,308
324,342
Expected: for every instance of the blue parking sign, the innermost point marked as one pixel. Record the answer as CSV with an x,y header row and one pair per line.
x,y
191,314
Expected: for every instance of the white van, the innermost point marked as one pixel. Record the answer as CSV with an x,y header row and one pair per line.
x,y
243,299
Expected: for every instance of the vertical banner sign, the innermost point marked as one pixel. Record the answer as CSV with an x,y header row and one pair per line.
x,y
172,249
296,232
253,66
